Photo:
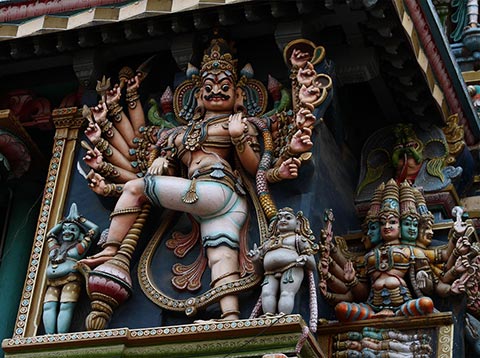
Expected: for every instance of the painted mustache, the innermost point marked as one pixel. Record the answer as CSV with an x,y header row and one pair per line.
x,y
211,96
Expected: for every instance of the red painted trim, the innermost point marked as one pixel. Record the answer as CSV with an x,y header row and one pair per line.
x,y
29,9
438,66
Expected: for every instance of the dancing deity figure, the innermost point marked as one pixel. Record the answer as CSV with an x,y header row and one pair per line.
x,y
388,266
283,258
212,192
68,242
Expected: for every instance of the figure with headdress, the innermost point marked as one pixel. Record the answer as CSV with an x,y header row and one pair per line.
x,y
388,267
212,191
283,258
68,241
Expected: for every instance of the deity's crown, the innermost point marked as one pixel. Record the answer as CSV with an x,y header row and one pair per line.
x,y
218,58
375,204
390,199
407,201
422,208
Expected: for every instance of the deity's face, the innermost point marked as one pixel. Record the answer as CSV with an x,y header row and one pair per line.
x,y
70,232
373,232
218,92
409,231
425,235
389,228
287,222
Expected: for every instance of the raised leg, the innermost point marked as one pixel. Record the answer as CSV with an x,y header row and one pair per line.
x,y
123,217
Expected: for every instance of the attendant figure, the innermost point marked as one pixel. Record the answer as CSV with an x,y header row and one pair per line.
x,y
283,258
68,242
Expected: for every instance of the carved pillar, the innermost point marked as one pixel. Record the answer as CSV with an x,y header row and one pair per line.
x,y
67,122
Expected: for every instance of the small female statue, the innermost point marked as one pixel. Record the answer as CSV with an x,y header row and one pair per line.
x,y
282,259
68,242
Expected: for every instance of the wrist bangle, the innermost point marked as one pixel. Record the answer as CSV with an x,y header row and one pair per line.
x,y
239,142
114,111
288,153
107,170
131,98
352,283
112,190
106,128
104,147
273,175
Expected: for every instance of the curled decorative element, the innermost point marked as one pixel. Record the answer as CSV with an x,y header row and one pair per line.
x,y
445,335
192,304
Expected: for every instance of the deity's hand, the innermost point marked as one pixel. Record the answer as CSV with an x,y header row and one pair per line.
x,y
237,125
133,83
304,118
462,264
306,74
301,261
349,272
159,166
114,95
254,253
309,94
299,58
463,246
96,182
100,113
93,132
301,141
93,159
324,264
422,279
289,168
458,286
52,254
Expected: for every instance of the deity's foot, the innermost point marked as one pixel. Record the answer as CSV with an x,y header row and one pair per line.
x,y
270,315
206,321
384,314
103,256
215,320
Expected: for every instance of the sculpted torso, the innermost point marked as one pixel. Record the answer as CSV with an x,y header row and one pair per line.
x,y
387,266
206,155
280,252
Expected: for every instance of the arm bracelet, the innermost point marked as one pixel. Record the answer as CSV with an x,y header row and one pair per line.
x,y
352,283
106,128
107,170
131,98
115,111
112,190
239,142
273,175
103,146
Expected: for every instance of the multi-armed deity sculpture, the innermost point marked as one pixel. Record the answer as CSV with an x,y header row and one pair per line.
x,y
200,160
213,153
